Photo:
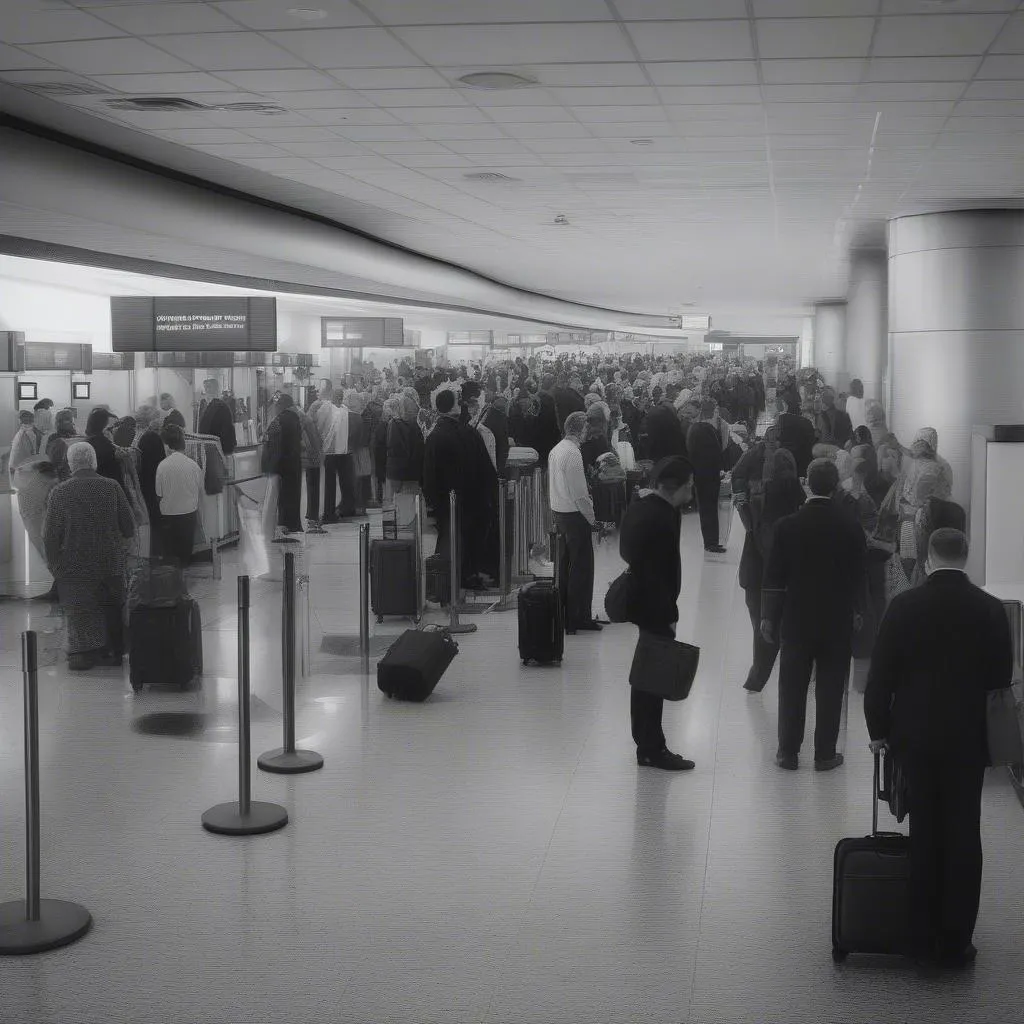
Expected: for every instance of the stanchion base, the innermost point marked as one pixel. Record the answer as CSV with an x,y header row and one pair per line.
x,y
462,627
226,819
60,923
290,762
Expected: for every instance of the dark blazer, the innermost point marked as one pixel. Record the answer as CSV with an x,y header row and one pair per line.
x,y
217,420
796,435
282,452
941,647
704,448
781,498
664,433
443,464
649,544
175,416
106,460
404,460
814,577
566,401
834,426
497,423
152,454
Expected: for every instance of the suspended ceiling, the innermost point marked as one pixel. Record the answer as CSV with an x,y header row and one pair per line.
x,y
720,153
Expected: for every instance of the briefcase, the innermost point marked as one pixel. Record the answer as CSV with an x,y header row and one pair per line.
x,y
663,666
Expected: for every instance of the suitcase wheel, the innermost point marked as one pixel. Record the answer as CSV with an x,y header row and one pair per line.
x,y
380,619
839,955
526,661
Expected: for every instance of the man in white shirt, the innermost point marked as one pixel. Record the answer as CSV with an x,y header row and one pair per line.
x,y
855,404
573,512
25,443
179,484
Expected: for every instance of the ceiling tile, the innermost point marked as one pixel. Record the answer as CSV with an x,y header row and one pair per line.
x,y
920,69
910,91
703,72
746,112
349,115
1002,68
379,133
939,36
681,94
339,147
460,12
151,120
280,81
346,48
729,129
990,108
415,97
631,131
517,44
160,18
227,51
1013,90
249,119
109,56
813,8
248,150
202,136
352,163
611,115
506,160
18,25
266,15
433,160
441,115
569,145
924,7
569,75
318,99
553,130
415,148
294,134
525,114
692,40
598,97
814,37
1011,39
823,92
390,78
177,84
12,59
444,132
673,10
472,146
510,98
806,72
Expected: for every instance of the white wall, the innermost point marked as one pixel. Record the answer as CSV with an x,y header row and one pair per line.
x,y
47,313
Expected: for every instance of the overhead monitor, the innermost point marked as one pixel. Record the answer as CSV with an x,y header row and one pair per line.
x,y
193,323
361,332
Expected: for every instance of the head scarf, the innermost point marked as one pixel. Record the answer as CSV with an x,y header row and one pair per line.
x,y
926,443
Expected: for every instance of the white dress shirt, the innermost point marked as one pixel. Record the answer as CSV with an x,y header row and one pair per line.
x,y
567,480
179,483
855,410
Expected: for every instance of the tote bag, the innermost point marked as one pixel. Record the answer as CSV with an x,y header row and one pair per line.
x,y
663,667
1005,727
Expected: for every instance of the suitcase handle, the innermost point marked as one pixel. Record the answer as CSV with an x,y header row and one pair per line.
x,y
878,793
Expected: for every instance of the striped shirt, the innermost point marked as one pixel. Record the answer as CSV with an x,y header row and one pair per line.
x,y
179,482
567,480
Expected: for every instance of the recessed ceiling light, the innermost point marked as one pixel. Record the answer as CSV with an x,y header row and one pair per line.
x,y
496,80
642,142
307,13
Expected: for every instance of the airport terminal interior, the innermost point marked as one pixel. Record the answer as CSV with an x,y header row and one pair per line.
x,y
367,218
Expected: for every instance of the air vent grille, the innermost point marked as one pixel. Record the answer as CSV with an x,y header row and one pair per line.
x,y
493,177
252,107
158,103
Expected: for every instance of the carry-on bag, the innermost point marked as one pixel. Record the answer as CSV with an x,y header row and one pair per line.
x,y
393,578
415,662
153,583
439,579
663,666
609,501
725,511
871,889
165,645
541,623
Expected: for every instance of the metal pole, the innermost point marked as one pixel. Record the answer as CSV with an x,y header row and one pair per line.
x,y
286,760
35,924
504,566
364,592
246,817
455,560
417,524
29,668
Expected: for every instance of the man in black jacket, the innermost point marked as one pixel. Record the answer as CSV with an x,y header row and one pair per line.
x,y
282,456
796,433
217,419
941,648
815,586
649,543
704,445
832,424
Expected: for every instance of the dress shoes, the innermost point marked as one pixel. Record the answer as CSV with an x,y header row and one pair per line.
x,y
788,761
828,763
665,760
715,549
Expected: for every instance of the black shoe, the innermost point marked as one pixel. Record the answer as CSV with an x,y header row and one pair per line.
x,y
665,760
957,961
788,761
828,763
110,660
50,595
715,549
587,627
753,686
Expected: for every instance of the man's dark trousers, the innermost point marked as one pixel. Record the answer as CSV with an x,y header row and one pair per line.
x,y
332,470
764,652
178,537
313,492
289,502
945,849
832,663
707,488
645,711
576,568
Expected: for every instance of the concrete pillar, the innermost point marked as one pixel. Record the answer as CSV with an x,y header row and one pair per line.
x,y
867,322
805,346
830,343
956,327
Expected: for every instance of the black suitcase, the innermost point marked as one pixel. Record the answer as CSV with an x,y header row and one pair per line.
x,y
165,645
439,579
609,501
393,582
871,891
415,662
541,623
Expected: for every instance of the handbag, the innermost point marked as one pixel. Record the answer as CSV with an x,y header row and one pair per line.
x,y
1004,720
663,667
618,602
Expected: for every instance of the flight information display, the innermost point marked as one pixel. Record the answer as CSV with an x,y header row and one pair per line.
x,y
193,324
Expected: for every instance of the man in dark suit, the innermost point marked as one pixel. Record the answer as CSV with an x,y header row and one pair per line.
x,y
796,432
832,424
940,649
815,585
649,543
704,447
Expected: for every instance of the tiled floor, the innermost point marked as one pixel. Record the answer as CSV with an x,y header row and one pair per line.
x,y
489,857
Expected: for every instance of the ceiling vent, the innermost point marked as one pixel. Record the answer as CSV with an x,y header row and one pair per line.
x,y
252,107
155,103
492,177
497,80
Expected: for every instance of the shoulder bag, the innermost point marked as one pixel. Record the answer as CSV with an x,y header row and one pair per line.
x,y
663,667
621,597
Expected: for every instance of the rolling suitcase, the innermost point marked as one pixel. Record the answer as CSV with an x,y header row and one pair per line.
x,y
165,645
871,890
609,501
415,662
393,586
542,613
725,511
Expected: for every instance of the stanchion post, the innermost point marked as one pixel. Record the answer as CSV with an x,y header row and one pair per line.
x,y
504,564
455,562
421,596
35,925
286,760
364,594
245,817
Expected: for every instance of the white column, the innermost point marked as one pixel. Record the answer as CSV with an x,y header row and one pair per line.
x,y
805,347
830,343
867,322
956,327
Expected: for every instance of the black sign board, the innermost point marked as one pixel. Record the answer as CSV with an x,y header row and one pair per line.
x,y
193,324
361,332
